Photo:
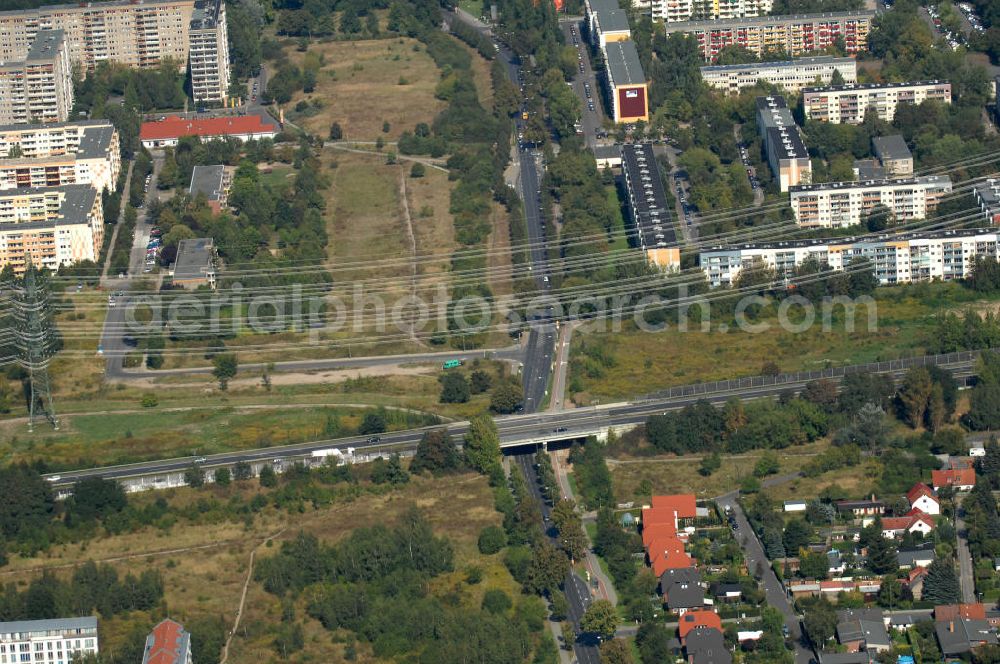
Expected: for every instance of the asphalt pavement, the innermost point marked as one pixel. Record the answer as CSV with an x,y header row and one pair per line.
x,y
591,120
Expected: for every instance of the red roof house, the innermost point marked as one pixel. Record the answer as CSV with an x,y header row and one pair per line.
x,y
698,618
962,479
683,504
166,132
167,644
946,612
652,532
663,561
914,522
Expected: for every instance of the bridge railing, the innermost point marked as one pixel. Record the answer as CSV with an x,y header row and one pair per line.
x,y
798,377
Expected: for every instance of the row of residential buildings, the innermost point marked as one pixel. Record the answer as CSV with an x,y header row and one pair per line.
x,y
782,142
791,75
896,259
135,33
649,211
847,104
37,85
628,90
52,177
801,34
63,640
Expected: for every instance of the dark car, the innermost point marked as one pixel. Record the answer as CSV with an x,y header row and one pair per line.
x,y
560,430
374,439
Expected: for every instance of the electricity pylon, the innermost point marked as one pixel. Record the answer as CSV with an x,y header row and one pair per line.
x,y
35,344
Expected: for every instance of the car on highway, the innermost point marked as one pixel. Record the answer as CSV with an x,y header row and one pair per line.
x,y
200,460
560,430
374,439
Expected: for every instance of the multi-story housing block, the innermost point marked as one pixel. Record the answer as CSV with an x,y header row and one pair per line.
x,y
791,75
57,641
786,152
895,259
135,33
841,204
209,56
848,103
894,155
38,88
796,35
51,226
987,194
56,154
648,207
673,11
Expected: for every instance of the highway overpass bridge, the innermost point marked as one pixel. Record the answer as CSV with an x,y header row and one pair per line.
x,y
515,431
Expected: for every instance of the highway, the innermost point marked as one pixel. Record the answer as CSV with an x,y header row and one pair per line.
x,y
577,593
528,429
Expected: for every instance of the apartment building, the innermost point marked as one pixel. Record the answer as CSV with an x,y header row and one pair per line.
x,y
848,103
135,33
209,55
626,82
56,154
52,226
791,75
648,207
168,643
987,194
47,641
213,182
841,204
896,259
38,88
606,22
786,152
894,155
672,11
796,35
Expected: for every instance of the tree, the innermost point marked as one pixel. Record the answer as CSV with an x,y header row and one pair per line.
x,y
372,423
224,367
222,477
616,651
480,381
914,394
814,566
882,558
436,452
194,476
796,536
878,218
768,464
506,397
242,471
941,585
417,170
482,444
710,464
336,133
559,605
454,388
773,543
496,601
653,641
391,471
268,478
547,570
600,618
568,635
820,621
96,498
491,540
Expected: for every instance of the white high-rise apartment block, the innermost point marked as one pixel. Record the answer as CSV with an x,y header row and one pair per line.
x,y
792,75
209,56
39,87
896,259
848,103
672,11
840,204
135,33
50,155
47,641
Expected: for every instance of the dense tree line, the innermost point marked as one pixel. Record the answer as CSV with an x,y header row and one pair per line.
x,y
593,479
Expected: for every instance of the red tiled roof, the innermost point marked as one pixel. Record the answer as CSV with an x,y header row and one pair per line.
x,y
664,544
166,643
661,562
652,516
698,618
174,126
906,522
651,532
919,489
967,611
683,504
953,477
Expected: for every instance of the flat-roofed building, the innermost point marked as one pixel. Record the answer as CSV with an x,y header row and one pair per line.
x,y
848,103
791,75
799,34
672,11
209,53
38,88
212,182
648,207
786,152
195,263
53,226
841,204
55,641
894,155
987,194
606,22
895,259
56,154
626,82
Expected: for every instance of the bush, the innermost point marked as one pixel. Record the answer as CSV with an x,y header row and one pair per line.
x,y
491,540
417,170
149,400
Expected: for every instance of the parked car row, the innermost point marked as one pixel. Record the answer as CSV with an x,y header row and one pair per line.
x,y
751,175
153,249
